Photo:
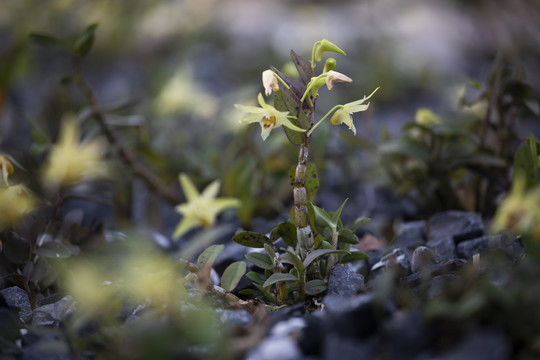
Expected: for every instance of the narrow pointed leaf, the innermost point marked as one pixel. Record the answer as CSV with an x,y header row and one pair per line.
x,y
337,214
314,255
232,275
279,277
261,260
209,256
83,44
269,251
249,292
293,259
321,217
303,67
317,286
251,239
359,222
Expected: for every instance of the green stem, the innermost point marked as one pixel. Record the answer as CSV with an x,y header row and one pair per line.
x,y
324,117
313,54
282,81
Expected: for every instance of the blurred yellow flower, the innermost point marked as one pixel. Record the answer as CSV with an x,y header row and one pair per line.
x,y
200,209
520,211
15,202
70,161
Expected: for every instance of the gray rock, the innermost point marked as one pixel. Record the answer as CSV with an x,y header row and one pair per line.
x,y
440,283
52,314
18,298
233,318
444,248
281,343
410,235
344,281
460,225
422,258
338,304
466,249
396,258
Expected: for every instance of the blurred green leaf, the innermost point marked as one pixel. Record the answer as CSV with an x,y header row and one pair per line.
x,y
209,256
83,44
232,275
47,40
251,239
287,231
255,277
261,260
314,287
524,166
315,254
347,236
54,250
279,277
353,256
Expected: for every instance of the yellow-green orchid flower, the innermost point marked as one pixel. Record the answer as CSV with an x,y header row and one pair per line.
x,y
267,116
344,114
270,82
200,209
71,162
15,202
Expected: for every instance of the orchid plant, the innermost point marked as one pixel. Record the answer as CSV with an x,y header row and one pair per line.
x,y
316,240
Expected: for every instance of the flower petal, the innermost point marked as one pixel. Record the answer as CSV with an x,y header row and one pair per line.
x,y
270,82
225,203
357,106
190,191
187,223
211,191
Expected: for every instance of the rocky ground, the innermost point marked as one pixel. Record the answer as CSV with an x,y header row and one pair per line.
x,y
442,289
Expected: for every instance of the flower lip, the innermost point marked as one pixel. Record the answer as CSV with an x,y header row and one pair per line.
x,y
334,76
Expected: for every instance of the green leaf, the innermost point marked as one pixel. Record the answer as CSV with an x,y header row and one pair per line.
x,y
54,250
287,231
303,67
249,292
251,239
83,44
279,277
255,277
314,255
46,40
284,102
347,236
321,217
232,275
261,260
524,166
337,214
358,222
269,251
209,256
293,259
353,256
317,286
